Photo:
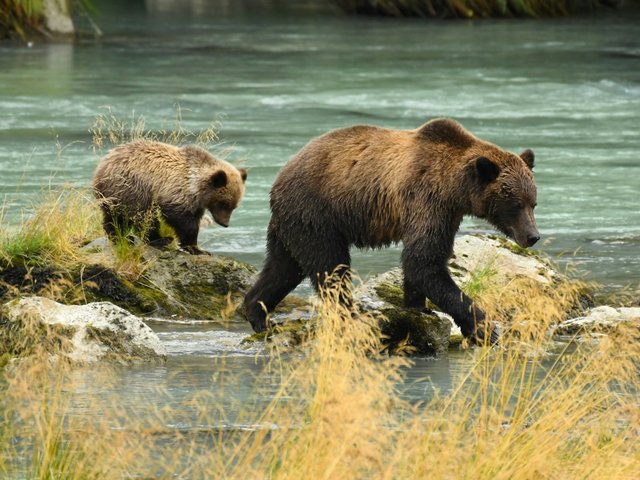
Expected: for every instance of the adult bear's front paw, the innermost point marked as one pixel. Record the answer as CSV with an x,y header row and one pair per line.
x,y
487,332
482,331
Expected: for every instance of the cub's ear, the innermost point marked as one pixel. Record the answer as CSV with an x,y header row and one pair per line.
x,y
218,179
243,174
487,170
528,157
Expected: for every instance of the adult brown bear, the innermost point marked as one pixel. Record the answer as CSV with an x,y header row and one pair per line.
x,y
369,187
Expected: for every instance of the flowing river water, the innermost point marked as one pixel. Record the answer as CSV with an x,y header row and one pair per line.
x,y
275,74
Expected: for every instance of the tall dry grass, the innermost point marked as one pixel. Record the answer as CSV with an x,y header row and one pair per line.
x,y
111,129
520,412
53,232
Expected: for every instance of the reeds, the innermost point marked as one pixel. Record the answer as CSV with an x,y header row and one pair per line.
x,y
110,129
53,234
26,18
21,16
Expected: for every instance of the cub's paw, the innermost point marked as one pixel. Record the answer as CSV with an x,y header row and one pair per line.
x,y
194,250
161,242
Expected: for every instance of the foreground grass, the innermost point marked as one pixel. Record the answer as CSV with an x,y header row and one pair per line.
x,y
339,413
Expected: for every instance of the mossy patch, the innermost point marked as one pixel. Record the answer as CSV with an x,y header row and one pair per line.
x,y
512,247
293,332
455,340
394,295
204,301
413,331
390,293
100,283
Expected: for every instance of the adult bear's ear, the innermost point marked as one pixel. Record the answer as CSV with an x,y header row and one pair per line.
x,y
243,174
218,179
487,170
528,157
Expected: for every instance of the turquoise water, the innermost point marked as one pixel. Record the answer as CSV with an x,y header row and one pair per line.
x,y
567,88
276,76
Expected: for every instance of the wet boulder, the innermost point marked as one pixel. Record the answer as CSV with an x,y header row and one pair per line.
x,y
478,262
80,333
171,283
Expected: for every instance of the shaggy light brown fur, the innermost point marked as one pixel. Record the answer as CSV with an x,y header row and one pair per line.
x,y
181,182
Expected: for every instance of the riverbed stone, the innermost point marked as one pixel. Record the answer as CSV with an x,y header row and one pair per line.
x,y
602,319
501,261
80,333
159,282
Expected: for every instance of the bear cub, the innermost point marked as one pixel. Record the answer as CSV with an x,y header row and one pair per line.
x,y
137,180
370,187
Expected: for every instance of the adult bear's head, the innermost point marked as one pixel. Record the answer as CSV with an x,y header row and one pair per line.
x,y
506,193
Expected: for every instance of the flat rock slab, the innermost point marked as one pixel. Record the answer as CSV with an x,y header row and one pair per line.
x,y
82,333
601,319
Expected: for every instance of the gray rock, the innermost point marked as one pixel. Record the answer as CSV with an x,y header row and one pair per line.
x,y
505,259
200,286
601,319
82,333
57,17
499,259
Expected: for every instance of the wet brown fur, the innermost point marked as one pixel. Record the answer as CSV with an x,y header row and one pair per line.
x,y
369,187
182,182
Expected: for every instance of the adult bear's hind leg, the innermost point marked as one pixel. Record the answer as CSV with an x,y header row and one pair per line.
x,y
280,274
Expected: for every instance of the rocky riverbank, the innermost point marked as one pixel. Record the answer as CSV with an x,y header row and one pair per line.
x,y
94,312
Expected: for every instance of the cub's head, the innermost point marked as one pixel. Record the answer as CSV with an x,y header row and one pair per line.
x,y
505,193
223,191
